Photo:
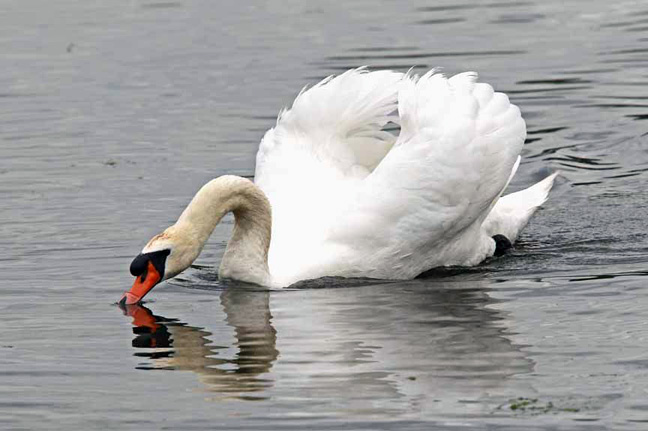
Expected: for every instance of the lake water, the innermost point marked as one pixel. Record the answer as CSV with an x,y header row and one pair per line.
x,y
112,114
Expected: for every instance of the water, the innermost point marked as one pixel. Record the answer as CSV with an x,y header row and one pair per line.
x,y
112,116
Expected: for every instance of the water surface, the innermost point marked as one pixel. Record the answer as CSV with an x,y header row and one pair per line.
x,y
112,116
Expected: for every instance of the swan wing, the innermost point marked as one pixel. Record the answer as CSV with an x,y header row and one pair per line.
x,y
423,205
320,150
332,134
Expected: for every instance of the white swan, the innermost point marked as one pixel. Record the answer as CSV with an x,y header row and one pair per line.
x,y
341,196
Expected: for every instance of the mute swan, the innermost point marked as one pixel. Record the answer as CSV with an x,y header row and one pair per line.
x,y
341,196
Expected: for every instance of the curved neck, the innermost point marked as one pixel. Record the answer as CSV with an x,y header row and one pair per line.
x,y
246,255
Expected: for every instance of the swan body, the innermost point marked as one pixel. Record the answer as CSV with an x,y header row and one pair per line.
x,y
336,194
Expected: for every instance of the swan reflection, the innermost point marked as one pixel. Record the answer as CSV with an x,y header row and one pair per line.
x,y
173,345
412,346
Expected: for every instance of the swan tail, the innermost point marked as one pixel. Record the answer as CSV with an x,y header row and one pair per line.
x,y
512,212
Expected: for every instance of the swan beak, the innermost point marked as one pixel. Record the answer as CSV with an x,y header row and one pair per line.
x,y
143,285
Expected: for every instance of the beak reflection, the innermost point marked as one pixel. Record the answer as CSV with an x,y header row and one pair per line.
x,y
170,344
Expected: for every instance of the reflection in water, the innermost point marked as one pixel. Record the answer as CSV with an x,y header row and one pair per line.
x,y
409,347
154,97
173,345
416,347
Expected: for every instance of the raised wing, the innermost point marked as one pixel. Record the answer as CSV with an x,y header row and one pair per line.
x,y
321,149
424,203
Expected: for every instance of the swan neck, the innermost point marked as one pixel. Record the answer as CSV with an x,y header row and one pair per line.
x,y
246,255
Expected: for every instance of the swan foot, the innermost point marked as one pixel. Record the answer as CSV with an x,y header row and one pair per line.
x,y
502,245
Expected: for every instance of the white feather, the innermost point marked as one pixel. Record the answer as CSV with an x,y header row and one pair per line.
x,y
338,195
349,199
512,212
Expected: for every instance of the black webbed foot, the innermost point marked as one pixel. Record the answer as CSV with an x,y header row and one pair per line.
x,y
502,244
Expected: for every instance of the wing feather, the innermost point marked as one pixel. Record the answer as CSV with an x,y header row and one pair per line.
x,y
350,199
320,151
428,197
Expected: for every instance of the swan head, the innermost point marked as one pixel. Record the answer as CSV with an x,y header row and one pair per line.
x,y
165,256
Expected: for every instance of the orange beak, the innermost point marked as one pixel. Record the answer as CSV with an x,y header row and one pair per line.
x,y
143,285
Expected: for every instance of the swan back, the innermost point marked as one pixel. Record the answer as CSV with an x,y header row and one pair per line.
x,y
349,200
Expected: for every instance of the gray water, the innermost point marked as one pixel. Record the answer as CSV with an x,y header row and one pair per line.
x,y
112,114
